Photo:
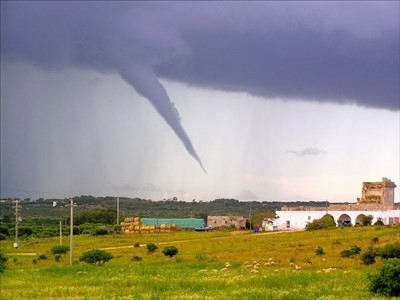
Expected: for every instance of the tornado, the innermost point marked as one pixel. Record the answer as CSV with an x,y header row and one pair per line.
x,y
145,82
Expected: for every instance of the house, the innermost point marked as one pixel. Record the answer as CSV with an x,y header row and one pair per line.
x,y
239,222
377,200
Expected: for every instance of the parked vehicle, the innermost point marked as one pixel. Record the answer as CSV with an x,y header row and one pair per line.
x,y
203,228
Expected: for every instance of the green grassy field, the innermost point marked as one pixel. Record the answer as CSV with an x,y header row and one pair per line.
x,y
199,271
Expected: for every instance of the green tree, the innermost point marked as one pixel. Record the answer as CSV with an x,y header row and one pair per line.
x,y
96,256
325,222
151,247
367,220
387,282
170,251
259,217
368,257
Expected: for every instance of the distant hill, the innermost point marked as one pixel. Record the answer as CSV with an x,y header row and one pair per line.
x,y
43,208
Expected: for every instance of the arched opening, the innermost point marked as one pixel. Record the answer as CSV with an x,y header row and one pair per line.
x,y
359,219
344,220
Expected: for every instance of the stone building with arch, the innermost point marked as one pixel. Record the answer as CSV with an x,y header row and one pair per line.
x,y
377,200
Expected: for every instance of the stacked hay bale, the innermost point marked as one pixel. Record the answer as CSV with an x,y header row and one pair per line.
x,y
135,225
167,228
131,225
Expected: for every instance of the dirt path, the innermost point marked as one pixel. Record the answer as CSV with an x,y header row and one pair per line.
x,y
199,239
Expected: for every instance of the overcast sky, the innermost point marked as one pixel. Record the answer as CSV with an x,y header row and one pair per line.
x,y
267,101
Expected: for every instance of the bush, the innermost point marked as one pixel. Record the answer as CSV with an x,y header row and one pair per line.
x,y
355,249
375,240
117,228
96,256
387,282
366,220
389,251
319,251
136,245
3,260
151,247
137,258
4,230
25,231
325,222
379,222
170,251
42,257
57,257
100,231
350,252
368,257
59,249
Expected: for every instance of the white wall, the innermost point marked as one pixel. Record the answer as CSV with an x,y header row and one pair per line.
x,y
299,219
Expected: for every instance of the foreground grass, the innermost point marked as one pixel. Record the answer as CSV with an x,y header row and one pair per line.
x,y
199,271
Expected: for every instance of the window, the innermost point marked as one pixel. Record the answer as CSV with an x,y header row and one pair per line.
x,y
309,217
287,224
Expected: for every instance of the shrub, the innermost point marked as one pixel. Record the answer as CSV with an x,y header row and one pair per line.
x,y
350,252
379,222
25,231
366,220
57,257
325,222
96,256
34,261
368,257
3,260
389,251
42,257
100,231
386,282
170,251
59,249
201,256
319,251
151,247
117,228
137,258
136,245
355,249
375,240
4,230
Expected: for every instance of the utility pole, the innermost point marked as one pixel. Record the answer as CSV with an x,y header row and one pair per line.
x,y
117,210
60,233
250,218
71,238
17,217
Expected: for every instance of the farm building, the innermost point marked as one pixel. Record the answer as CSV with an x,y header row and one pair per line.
x,y
238,222
152,225
377,200
188,223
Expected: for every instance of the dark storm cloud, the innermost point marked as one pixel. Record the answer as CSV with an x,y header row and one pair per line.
x,y
337,51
